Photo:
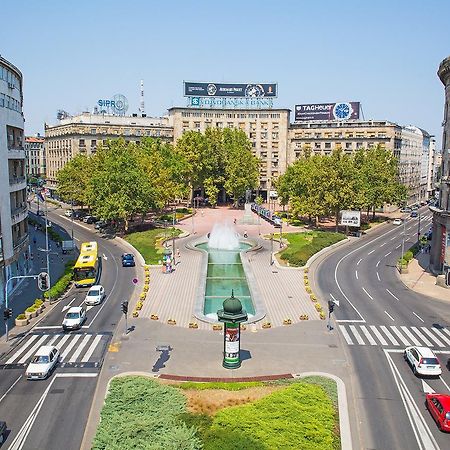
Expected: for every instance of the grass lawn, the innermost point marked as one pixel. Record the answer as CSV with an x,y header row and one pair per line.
x,y
303,245
143,413
149,243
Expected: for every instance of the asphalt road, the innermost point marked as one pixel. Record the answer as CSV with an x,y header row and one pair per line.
x,y
52,414
376,319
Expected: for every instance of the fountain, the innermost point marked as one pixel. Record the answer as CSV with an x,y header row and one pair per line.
x,y
223,237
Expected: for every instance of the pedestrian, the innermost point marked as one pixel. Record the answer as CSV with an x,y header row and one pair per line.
x,y
178,252
34,240
202,213
31,256
245,234
35,227
234,220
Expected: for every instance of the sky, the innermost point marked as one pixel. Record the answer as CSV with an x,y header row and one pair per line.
x,y
382,53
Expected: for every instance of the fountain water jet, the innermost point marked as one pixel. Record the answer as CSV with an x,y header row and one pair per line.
x,y
223,237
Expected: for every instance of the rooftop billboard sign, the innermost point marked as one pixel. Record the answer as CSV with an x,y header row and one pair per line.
x,y
327,111
248,90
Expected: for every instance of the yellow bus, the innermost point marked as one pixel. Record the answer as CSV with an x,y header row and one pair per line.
x,y
86,270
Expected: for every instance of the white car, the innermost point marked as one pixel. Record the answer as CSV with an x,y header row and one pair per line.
x,y
95,295
68,213
74,318
397,222
423,361
43,362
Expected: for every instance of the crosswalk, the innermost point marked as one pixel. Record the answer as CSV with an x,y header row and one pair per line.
x,y
76,350
392,335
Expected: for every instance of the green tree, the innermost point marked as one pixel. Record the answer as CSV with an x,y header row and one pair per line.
x,y
211,191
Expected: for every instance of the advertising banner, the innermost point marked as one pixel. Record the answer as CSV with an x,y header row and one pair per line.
x,y
232,342
327,111
350,218
443,243
251,90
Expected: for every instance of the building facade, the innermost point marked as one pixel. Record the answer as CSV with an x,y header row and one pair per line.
x,y
83,133
267,130
13,184
440,251
34,156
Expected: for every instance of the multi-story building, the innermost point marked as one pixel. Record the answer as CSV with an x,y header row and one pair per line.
x,y
83,133
440,250
34,156
267,129
13,193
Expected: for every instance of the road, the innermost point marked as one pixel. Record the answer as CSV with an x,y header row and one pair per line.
x,y
376,319
52,414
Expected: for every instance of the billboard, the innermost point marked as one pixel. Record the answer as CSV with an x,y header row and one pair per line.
x,y
251,90
350,218
327,111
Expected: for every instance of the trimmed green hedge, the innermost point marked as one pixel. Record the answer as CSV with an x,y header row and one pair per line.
x,y
220,385
61,285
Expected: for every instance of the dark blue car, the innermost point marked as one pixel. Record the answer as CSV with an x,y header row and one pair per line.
x,y
128,260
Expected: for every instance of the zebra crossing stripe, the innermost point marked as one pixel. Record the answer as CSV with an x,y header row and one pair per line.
x,y
346,335
70,346
421,336
91,348
435,339
32,349
441,335
53,339
400,335
22,349
389,335
356,334
378,335
369,337
62,341
445,330
80,348
408,333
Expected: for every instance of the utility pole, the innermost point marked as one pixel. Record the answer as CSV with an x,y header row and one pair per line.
x,y
46,249
281,233
403,245
418,231
271,249
173,246
71,217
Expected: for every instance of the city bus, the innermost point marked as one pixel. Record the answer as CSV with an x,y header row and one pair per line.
x,y
86,269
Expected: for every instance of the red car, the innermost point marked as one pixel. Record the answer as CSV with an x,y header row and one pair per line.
x,y
439,407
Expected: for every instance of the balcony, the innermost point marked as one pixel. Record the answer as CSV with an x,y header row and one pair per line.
x,y
20,243
17,183
16,153
19,214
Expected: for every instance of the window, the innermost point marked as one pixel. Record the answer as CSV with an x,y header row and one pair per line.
x,y
197,125
81,143
348,145
93,130
327,144
275,135
316,145
93,143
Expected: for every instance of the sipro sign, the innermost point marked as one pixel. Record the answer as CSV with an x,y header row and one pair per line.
x,y
106,103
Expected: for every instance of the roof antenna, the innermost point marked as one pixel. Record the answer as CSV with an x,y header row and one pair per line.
x,y
142,107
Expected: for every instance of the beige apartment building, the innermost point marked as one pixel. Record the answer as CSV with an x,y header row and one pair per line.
x,y
82,134
34,156
267,129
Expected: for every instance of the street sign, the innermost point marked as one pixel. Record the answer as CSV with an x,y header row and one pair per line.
x,y
135,280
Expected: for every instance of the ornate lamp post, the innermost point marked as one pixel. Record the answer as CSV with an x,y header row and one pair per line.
x,y
232,315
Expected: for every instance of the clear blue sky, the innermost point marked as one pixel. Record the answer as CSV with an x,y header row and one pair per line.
x,y
382,53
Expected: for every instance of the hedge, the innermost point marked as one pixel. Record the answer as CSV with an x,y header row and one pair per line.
x,y
61,285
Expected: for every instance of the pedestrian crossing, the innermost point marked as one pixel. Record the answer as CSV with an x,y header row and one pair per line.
x,y
76,350
393,335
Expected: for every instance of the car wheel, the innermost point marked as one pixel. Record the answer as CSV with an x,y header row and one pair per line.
x,y
2,438
405,357
415,371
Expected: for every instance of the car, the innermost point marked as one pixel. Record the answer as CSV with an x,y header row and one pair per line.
x,y
68,213
414,215
128,260
43,362
3,429
74,318
415,207
406,209
40,213
423,203
90,219
79,214
423,361
397,221
439,407
101,224
95,295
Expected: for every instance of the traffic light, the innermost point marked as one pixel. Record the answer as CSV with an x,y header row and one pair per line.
x,y
7,313
125,307
43,281
330,306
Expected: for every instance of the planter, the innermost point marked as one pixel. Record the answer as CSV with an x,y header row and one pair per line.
x,y
21,322
30,315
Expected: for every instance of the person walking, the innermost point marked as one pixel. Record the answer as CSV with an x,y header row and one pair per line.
x,y
34,240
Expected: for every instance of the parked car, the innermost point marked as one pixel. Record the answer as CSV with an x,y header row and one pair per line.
x,y
79,215
423,361
95,295
406,209
68,213
128,260
74,318
414,215
40,212
90,219
439,407
415,207
43,362
3,429
100,224
397,221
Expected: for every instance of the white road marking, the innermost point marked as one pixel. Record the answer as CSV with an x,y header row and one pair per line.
x,y
33,349
421,336
387,254
445,384
367,293
400,335
389,335
395,237
389,292
334,300
432,337
427,389
346,335
378,263
350,321
22,349
408,333
358,337
70,346
68,305
78,224
9,389
445,330
383,244
62,341
420,318
378,335
77,375
369,337
378,276
356,274
390,317
80,348
53,339
370,252
359,261
398,246
441,335
91,348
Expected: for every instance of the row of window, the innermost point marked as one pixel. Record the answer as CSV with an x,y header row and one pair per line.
x,y
340,134
329,145
9,76
9,102
231,115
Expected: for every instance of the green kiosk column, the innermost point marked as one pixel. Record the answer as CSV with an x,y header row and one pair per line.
x,y
232,315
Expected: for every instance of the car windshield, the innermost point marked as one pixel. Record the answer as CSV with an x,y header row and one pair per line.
x,y
94,293
430,361
127,256
72,315
40,359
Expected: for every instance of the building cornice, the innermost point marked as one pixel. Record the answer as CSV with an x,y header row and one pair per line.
x,y
444,71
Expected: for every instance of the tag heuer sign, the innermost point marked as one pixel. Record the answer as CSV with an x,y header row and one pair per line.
x,y
350,218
